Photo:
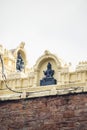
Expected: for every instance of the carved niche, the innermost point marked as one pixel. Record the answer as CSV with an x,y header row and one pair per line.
x,y
48,78
19,62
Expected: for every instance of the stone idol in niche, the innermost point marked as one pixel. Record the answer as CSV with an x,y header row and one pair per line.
x,y
48,79
19,62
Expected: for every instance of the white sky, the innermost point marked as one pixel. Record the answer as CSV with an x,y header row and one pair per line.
x,y
59,26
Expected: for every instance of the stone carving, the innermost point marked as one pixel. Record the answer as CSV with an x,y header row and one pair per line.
x,y
22,44
19,63
48,79
81,66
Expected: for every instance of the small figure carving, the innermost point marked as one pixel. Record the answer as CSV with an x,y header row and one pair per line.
x,y
49,72
48,79
20,62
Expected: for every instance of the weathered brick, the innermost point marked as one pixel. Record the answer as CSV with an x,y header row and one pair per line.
x,y
66,112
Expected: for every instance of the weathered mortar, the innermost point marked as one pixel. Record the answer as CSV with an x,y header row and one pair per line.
x,y
66,112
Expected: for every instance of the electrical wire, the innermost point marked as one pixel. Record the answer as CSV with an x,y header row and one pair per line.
x,y
4,77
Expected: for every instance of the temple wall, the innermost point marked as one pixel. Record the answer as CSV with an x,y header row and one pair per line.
x,y
27,105
65,112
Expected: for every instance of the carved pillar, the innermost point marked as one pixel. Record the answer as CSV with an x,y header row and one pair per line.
x,y
59,78
36,72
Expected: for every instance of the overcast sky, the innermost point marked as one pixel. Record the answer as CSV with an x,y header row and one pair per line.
x,y
59,26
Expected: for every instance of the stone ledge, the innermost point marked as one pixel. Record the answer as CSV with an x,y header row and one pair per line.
x,y
46,91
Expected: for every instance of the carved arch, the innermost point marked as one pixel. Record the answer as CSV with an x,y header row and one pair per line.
x,y
41,65
20,49
47,56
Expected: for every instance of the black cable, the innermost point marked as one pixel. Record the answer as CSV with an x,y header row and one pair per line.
x,y
4,77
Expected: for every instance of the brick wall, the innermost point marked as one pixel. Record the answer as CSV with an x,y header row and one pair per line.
x,y
67,112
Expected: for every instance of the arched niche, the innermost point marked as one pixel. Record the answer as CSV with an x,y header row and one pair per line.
x,y
22,54
23,57
20,49
41,65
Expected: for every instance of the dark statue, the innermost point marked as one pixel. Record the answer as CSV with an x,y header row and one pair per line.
x,y
48,79
19,63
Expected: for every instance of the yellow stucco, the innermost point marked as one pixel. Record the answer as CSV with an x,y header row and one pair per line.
x,y
28,80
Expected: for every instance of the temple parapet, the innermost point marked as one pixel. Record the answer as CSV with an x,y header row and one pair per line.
x,y
17,75
49,70
81,66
